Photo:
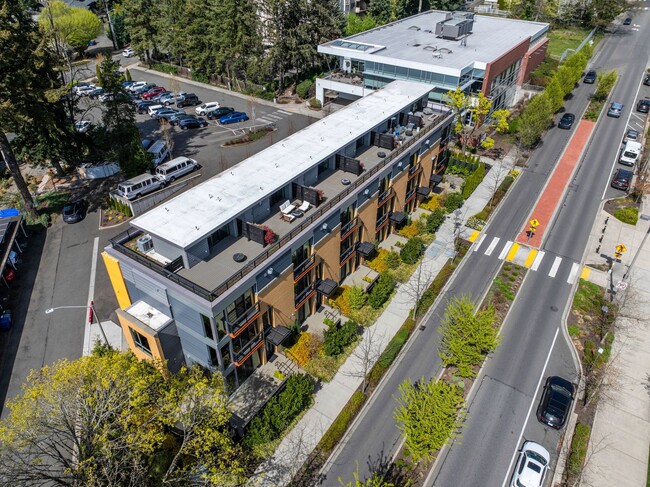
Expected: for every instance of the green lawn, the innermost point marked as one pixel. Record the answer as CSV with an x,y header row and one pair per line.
x,y
562,39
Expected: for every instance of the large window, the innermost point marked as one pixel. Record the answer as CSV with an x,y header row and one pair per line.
x,y
215,237
141,341
214,361
207,327
239,306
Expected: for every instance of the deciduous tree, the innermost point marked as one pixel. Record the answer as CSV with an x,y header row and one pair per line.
x,y
535,118
75,26
357,24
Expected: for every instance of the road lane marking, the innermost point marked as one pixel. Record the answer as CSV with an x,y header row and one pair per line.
x,y
531,256
537,261
513,251
532,402
480,241
573,274
493,244
505,250
282,111
91,296
474,235
555,266
585,273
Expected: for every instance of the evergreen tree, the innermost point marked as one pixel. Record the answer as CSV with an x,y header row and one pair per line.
x,y
140,25
380,10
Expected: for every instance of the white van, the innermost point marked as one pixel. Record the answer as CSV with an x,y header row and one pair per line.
x,y
169,171
159,151
630,153
138,186
206,107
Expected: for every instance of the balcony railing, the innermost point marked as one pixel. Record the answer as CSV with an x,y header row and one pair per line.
x,y
414,171
348,252
118,242
305,266
244,320
349,227
385,196
410,195
305,294
248,349
381,221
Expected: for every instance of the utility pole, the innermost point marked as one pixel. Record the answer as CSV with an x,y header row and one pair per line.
x,y
110,24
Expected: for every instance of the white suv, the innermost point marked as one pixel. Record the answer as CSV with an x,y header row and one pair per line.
x,y
206,107
128,52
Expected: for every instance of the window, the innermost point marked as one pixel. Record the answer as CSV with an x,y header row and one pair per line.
x,y
141,341
214,361
226,357
239,306
267,318
216,237
207,327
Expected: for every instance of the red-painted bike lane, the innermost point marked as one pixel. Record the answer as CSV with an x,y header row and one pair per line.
x,y
556,185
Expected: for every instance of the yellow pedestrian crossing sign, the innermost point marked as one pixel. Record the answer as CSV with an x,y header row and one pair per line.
x,y
534,223
620,248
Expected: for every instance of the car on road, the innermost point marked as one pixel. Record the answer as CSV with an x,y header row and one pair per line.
x,y
153,92
628,21
217,113
192,123
566,122
646,80
643,106
531,467
128,52
622,179
555,405
74,212
187,99
590,77
83,126
631,134
233,117
204,108
615,110
164,115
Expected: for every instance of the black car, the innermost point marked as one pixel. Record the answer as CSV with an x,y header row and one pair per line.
x,y
188,99
643,106
590,78
142,106
622,179
175,119
74,212
556,402
219,112
628,21
192,123
566,122
646,80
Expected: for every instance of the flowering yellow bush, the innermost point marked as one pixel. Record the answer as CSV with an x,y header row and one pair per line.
x,y
307,347
378,262
341,300
411,230
433,203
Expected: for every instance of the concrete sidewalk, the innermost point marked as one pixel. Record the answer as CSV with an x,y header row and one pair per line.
x,y
331,397
620,435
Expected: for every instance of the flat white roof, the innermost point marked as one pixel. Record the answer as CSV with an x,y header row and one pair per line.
x,y
148,315
199,211
404,45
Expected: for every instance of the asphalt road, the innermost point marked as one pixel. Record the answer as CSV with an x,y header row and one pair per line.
x,y
509,383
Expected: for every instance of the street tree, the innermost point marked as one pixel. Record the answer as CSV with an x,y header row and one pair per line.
x,y
417,285
429,414
535,119
109,419
366,354
75,26
603,12
466,336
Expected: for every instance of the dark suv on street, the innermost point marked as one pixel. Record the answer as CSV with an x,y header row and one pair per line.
x,y
622,179
556,402
590,78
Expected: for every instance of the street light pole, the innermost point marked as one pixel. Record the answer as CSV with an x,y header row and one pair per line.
x,y
91,307
638,251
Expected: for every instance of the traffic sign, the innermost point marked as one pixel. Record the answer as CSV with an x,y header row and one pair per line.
x,y
534,223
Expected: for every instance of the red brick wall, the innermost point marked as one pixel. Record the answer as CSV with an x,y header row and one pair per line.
x,y
496,67
532,60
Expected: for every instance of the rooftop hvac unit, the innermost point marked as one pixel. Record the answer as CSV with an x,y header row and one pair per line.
x,y
145,244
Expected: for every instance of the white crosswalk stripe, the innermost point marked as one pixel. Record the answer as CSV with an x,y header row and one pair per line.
x,y
555,266
505,250
538,260
493,244
282,111
274,117
574,273
263,120
479,242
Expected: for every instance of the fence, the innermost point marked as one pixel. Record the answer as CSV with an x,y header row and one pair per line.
x,y
221,81
582,44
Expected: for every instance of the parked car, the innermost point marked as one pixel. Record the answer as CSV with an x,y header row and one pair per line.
x,y
590,77
631,134
167,99
615,110
204,108
159,96
144,88
82,85
555,405
233,117
143,106
85,90
566,122
93,94
128,52
163,115
628,21
153,92
531,467
153,109
643,106
137,85
104,97
74,212
5,320
217,113
187,99
622,179
646,80
126,84
192,123
83,126
174,119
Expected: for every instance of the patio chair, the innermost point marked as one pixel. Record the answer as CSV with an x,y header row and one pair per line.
x,y
304,206
286,208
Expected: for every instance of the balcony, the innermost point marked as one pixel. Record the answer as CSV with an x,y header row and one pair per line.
x,y
355,79
381,221
410,195
349,227
304,295
414,171
244,320
248,349
385,196
347,254
303,268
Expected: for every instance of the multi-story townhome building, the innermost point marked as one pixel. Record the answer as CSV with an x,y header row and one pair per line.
x,y
215,275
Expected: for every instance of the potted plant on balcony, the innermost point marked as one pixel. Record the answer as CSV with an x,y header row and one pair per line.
x,y
269,235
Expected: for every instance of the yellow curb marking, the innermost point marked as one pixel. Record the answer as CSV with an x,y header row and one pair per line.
x,y
474,235
530,258
513,252
585,273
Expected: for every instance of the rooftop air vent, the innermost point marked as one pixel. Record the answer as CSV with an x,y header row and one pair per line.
x,y
455,27
414,27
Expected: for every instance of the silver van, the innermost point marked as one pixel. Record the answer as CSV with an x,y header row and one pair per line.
x,y
159,151
169,171
133,188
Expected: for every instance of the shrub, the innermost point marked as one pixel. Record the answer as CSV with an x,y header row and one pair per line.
x,y
574,331
391,351
578,453
307,347
335,432
434,220
411,230
454,201
165,68
356,297
381,290
392,260
314,103
412,251
473,180
378,262
432,204
200,77
302,90
337,338
475,223
341,301
628,215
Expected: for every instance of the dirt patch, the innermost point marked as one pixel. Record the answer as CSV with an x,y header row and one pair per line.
x,y
111,218
612,205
